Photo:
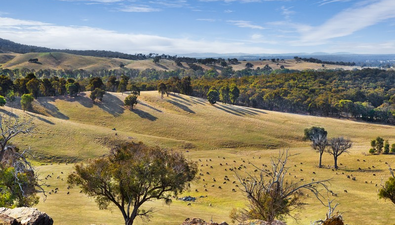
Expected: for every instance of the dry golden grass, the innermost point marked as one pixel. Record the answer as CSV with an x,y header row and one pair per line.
x,y
210,135
65,61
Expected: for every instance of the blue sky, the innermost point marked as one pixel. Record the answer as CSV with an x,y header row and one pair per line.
x,y
203,26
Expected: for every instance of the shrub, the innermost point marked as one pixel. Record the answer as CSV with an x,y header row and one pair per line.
x,y
372,151
2,101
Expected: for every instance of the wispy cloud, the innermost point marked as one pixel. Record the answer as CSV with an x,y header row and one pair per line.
x,y
170,4
245,24
324,2
228,11
94,1
349,21
207,20
139,9
83,37
287,12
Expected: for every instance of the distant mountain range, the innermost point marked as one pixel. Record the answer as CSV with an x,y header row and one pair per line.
x,y
377,60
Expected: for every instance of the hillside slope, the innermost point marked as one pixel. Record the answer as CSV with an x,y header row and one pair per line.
x,y
66,61
70,129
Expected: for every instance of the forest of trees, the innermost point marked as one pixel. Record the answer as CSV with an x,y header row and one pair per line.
x,y
367,94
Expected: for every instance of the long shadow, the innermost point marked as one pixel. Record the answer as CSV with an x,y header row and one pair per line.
x,y
9,113
42,119
50,108
144,115
112,105
148,106
240,110
83,100
181,106
193,100
228,111
162,66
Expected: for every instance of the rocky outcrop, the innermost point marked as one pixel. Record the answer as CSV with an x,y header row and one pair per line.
x,y
24,216
198,221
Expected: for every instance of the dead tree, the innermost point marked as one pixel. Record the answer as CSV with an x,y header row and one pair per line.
x,y
271,196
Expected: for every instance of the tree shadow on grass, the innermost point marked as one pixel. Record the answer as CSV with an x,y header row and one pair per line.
x,y
42,119
50,108
148,106
111,104
9,113
144,115
192,100
228,111
239,111
181,106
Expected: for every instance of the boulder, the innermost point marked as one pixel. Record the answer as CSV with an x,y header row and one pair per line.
x,y
24,216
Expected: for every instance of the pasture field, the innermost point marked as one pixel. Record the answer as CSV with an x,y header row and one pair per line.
x,y
65,61
218,136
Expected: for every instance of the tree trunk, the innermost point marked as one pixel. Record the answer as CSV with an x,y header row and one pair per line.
x,y
335,159
320,163
129,221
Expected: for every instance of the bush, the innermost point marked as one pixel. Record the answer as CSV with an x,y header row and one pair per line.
x,y
2,101
393,148
372,151
386,147
26,101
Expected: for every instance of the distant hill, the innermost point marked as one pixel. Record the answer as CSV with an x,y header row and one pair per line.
x,y
7,46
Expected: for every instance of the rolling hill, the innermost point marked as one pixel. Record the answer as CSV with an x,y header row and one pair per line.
x,y
73,129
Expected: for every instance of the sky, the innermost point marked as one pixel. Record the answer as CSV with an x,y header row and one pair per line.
x,y
179,27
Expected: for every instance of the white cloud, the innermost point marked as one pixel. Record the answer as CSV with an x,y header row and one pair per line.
x,y
349,21
287,12
245,24
207,20
228,11
97,1
324,2
170,4
84,38
139,8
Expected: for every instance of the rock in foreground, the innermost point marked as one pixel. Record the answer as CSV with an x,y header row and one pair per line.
x,y
24,216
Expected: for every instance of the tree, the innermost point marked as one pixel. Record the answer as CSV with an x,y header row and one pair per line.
x,y
72,89
271,195
377,145
2,101
386,147
186,87
112,83
131,100
97,94
318,136
249,65
18,181
26,101
338,146
123,83
133,174
95,82
156,59
212,95
224,94
33,86
162,89
234,93
6,85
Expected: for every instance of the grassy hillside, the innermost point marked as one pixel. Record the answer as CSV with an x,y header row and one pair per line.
x,y
65,61
75,129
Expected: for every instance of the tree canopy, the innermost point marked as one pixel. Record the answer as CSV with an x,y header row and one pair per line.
x,y
133,174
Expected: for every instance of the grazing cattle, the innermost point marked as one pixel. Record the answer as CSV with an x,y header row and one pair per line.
x,y
234,190
354,178
313,172
68,193
345,191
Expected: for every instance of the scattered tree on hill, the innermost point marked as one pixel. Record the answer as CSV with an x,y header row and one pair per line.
x,y
33,86
72,89
18,181
377,145
186,86
212,95
271,195
156,59
133,174
162,89
318,137
95,82
249,65
393,148
234,93
6,85
26,102
135,90
123,83
97,94
112,83
131,101
2,101
386,147
338,146
224,94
